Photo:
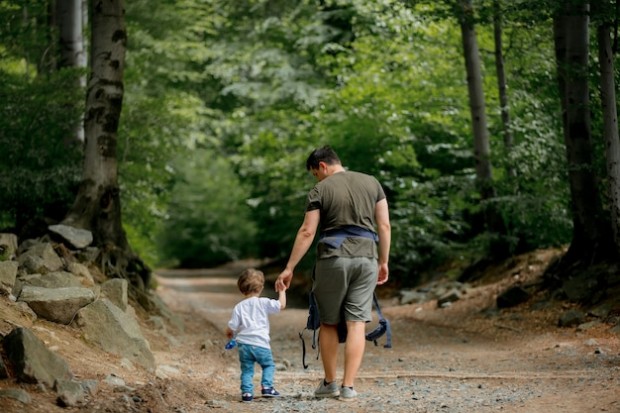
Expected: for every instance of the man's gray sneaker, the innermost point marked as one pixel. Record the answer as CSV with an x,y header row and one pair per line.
x,y
347,394
327,390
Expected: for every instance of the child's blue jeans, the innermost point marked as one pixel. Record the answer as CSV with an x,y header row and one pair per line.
x,y
248,355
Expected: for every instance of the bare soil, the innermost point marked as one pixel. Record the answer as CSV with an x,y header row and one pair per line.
x,y
468,357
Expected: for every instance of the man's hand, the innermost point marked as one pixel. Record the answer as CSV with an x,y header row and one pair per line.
x,y
383,274
284,280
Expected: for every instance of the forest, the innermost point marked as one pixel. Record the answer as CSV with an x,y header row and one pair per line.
x,y
177,131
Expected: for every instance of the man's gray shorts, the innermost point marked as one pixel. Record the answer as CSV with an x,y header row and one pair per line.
x,y
345,283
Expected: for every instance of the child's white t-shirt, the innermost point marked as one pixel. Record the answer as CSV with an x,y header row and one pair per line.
x,y
250,320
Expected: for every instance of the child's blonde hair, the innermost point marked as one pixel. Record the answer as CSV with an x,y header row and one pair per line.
x,y
251,281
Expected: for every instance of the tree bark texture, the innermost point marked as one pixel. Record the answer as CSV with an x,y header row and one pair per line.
x,y
571,47
610,126
501,81
97,205
69,19
70,29
476,101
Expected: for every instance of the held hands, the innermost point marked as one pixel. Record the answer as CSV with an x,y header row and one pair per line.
x,y
284,280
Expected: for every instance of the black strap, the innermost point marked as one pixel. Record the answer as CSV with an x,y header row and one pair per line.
x,y
303,346
388,331
303,350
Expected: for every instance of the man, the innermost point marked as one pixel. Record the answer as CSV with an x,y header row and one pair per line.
x,y
348,206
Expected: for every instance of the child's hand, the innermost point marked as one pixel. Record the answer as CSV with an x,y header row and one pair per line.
x,y
229,333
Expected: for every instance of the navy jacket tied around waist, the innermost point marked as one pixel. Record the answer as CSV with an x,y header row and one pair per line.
x,y
335,237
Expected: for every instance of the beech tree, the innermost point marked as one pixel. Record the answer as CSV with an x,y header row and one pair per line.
x,y
610,115
69,19
471,53
97,204
571,37
501,80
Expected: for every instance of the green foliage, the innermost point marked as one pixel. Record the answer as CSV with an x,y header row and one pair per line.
x,y
225,100
207,221
40,167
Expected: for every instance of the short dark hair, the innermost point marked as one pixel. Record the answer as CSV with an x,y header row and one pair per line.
x,y
324,154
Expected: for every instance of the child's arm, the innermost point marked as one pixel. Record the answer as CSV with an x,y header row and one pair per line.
x,y
282,299
229,333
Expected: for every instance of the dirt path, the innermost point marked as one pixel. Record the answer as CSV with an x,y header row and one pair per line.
x,y
455,359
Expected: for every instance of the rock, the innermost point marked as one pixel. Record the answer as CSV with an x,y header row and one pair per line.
x,y
588,325
8,247
164,371
115,290
90,386
579,288
154,303
602,311
40,258
81,271
88,255
56,304
79,238
412,297
56,279
8,273
114,380
571,318
32,361
70,393
17,394
106,325
449,297
512,297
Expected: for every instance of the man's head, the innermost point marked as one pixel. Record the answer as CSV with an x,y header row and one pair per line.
x,y
322,162
251,281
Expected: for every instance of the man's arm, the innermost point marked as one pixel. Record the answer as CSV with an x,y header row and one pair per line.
x,y
303,241
382,217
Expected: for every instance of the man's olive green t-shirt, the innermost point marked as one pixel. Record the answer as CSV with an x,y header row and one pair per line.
x,y
347,198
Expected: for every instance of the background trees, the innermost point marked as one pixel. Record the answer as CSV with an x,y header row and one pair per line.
x,y
224,100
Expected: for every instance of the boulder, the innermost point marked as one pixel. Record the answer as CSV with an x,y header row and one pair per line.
x,y
16,394
56,304
70,393
8,272
115,290
56,279
106,325
40,258
79,238
31,360
82,272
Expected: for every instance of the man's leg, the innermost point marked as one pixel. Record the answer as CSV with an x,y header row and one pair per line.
x,y
353,351
328,343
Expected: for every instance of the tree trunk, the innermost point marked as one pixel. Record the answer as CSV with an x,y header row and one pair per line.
x,y
501,82
571,46
610,126
97,205
476,102
69,18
